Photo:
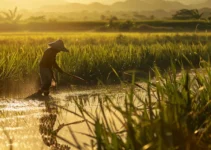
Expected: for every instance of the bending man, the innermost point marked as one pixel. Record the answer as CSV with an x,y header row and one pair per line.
x,y
47,63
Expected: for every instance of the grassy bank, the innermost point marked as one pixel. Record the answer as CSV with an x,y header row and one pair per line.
x,y
95,56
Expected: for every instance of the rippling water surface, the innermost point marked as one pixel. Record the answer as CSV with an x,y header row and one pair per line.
x,y
29,124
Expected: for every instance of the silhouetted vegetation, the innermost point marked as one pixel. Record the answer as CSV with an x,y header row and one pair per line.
x,y
12,16
185,14
113,25
173,114
36,19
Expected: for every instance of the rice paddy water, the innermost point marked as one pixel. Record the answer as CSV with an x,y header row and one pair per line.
x,y
25,123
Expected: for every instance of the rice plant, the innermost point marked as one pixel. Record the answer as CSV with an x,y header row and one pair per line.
x,y
93,56
173,115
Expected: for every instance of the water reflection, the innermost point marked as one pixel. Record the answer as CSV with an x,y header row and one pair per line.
x,y
47,127
40,125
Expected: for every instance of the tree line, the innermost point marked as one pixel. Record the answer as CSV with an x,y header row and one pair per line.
x,y
189,14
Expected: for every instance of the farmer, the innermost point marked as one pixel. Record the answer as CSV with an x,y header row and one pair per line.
x,y
47,63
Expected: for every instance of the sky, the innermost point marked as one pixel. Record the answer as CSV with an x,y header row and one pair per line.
x,y
90,1
112,1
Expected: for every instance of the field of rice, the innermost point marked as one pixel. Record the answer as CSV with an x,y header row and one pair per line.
x,y
165,103
98,57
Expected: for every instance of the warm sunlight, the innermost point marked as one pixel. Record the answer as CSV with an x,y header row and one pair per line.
x,y
105,74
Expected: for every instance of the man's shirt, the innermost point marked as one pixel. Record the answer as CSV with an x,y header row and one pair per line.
x,y
49,59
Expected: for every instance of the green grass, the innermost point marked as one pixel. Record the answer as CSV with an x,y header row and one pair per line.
x,y
174,114
94,56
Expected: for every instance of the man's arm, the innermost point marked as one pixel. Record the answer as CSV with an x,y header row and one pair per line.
x,y
55,65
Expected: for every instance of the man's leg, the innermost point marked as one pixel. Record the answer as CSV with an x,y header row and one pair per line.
x,y
46,78
46,89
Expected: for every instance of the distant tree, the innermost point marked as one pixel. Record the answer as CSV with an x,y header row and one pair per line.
x,y
125,15
85,18
152,17
53,20
108,12
103,17
139,16
12,15
135,13
185,14
37,18
111,20
127,25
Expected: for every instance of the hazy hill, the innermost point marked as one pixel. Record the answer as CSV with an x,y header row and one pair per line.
x,y
158,8
74,7
129,9
166,5
131,5
147,5
128,5
202,5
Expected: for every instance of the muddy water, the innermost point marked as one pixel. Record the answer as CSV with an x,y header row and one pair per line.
x,y
27,124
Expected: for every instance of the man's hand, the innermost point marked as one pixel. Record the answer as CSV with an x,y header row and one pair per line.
x,y
53,83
